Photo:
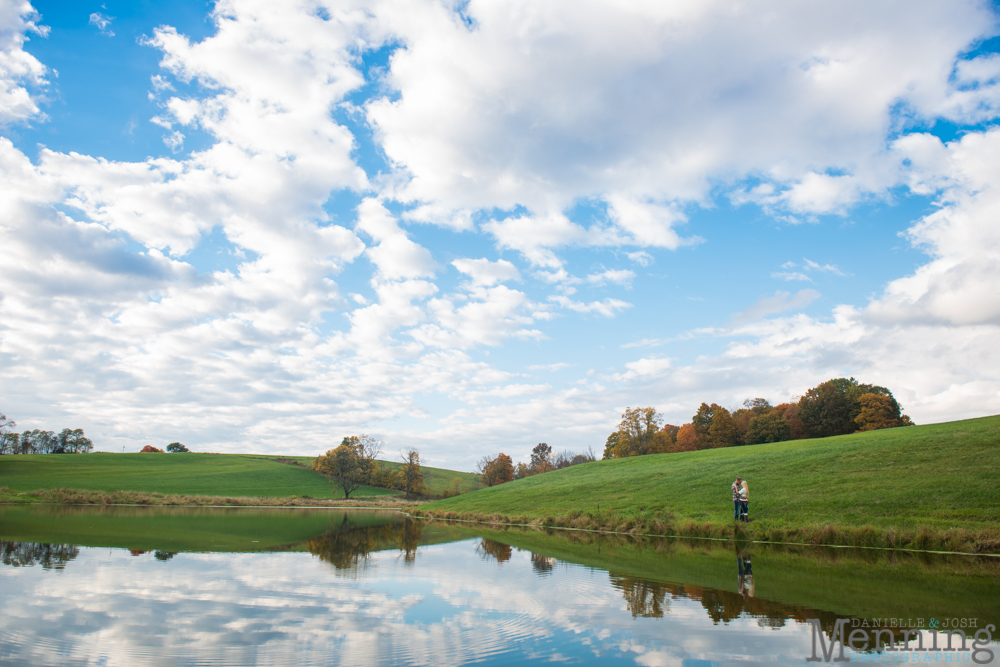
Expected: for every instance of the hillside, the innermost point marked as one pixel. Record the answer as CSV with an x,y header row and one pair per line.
x,y
181,474
939,478
437,480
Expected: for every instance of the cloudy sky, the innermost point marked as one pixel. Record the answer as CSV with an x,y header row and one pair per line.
x,y
473,226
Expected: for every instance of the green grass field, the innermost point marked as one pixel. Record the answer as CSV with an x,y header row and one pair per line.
x,y
938,477
435,479
182,474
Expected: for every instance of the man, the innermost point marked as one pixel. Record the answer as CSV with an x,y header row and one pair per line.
x,y
736,499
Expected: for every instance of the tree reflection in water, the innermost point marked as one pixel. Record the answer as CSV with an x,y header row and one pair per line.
x,y
349,546
491,549
26,554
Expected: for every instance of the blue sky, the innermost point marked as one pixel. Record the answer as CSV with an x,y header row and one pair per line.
x,y
472,227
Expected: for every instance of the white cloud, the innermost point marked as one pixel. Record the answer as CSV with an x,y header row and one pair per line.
x,y
102,23
780,302
395,255
607,307
643,113
18,68
622,277
640,257
545,105
791,275
485,273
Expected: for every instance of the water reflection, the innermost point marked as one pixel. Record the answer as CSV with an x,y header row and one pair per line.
x,y
26,554
349,547
365,592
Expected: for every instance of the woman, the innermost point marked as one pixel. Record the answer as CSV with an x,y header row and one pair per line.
x,y
744,501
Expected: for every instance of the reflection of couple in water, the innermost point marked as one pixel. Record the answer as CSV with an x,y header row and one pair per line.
x,y
741,500
744,578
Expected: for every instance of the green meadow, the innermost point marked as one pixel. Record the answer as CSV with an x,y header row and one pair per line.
x,y
175,474
437,480
941,478
191,474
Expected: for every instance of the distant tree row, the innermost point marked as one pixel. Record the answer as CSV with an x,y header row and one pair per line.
x,y
500,469
67,441
353,464
835,407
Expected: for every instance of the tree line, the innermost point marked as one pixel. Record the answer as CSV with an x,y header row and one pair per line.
x,y
354,463
37,441
835,407
499,469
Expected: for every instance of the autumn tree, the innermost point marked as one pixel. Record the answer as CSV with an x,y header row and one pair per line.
x,y
687,439
878,412
638,433
346,465
496,470
412,475
541,458
790,411
715,426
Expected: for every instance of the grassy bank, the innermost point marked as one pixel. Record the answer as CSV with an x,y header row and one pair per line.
x,y
924,487
191,474
84,497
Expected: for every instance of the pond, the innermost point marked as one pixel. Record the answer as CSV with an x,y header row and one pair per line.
x,y
198,586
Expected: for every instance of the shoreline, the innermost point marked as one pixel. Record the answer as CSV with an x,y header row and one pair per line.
x,y
921,539
142,499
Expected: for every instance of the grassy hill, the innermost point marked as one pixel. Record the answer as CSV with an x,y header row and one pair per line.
x,y
194,474
437,480
922,485
181,474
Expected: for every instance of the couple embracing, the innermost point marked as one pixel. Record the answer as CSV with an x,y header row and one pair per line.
x,y
741,500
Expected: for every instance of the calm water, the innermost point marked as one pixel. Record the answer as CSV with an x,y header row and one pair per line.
x,y
373,589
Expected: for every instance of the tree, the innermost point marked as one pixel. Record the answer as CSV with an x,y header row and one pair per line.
x,y
637,434
722,432
521,471
790,411
74,442
687,439
715,426
611,446
345,465
149,449
541,458
412,475
878,412
768,427
9,440
832,407
752,407
496,471
177,448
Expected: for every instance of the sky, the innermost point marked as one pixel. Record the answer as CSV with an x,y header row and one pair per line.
x,y
470,227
